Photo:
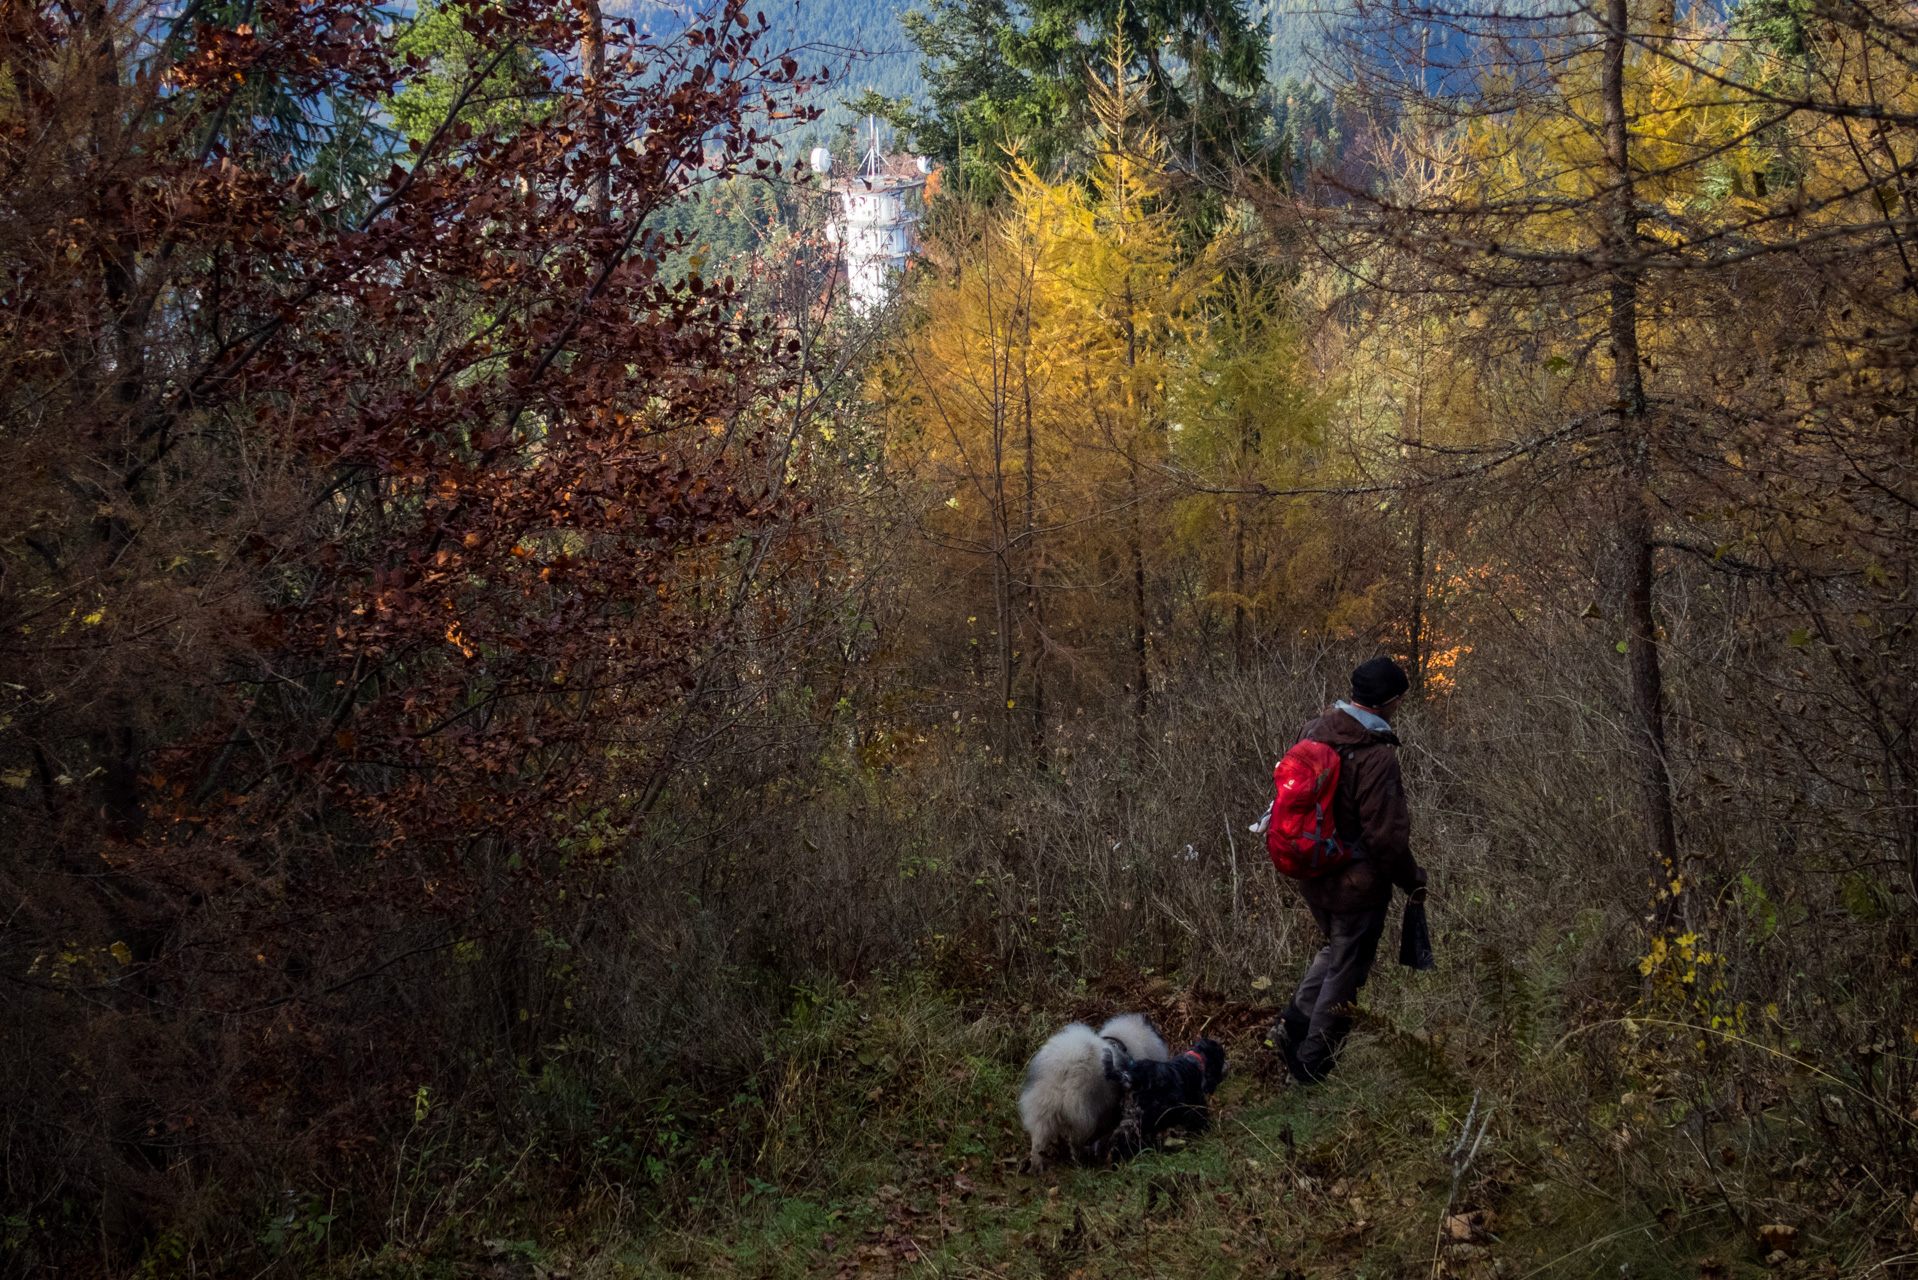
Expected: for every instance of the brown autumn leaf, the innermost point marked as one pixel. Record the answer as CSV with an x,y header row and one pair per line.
x,y
1779,1238
1473,1224
404,705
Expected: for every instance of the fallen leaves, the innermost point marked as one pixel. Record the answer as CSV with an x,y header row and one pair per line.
x,y
1779,1238
1474,1224
1464,1239
884,1251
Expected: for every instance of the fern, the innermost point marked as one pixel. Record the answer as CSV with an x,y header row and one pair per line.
x,y
1420,1056
1510,995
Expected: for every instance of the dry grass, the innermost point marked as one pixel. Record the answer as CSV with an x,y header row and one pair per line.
x,y
803,1012
888,1146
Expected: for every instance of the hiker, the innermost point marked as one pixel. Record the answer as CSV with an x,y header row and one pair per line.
x,y
1350,901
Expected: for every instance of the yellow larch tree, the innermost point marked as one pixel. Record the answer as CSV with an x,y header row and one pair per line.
x,y
1082,405
1125,307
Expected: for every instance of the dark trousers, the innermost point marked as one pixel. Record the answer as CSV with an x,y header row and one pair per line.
x,y
1320,1015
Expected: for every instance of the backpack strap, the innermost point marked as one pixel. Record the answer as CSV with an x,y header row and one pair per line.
x,y
1378,740
1346,752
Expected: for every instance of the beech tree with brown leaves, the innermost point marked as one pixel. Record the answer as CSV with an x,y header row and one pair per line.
x,y
360,497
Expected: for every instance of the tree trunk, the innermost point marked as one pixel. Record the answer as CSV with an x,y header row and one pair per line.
x,y
1035,610
1036,606
1004,546
1139,670
1002,600
1238,587
1418,655
1635,532
592,63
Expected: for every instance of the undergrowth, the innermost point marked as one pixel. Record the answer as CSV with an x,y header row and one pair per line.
x,y
881,1139
786,1034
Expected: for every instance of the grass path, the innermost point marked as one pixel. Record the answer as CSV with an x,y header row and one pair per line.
x,y
918,1175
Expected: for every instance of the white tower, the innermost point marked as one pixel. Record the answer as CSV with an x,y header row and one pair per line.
x,y
873,227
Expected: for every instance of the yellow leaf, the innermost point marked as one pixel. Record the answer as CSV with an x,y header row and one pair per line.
x,y
122,952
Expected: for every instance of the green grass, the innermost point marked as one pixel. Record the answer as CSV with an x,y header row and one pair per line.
x,y
884,1141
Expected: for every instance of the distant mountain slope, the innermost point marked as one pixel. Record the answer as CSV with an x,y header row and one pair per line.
x,y
864,47
860,41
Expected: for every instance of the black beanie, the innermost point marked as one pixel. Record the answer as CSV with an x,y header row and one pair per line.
x,y
1378,682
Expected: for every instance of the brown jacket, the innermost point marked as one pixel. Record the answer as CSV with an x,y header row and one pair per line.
x,y
1371,815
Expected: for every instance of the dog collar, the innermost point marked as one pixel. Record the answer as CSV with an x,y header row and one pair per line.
x,y
1195,1055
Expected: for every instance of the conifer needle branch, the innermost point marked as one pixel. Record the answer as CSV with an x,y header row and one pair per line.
x,y
1516,450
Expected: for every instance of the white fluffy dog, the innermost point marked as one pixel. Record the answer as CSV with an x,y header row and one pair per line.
x,y
1071,1098
1073,1091
1138,1036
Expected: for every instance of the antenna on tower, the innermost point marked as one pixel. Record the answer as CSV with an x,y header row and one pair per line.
x,y
874,161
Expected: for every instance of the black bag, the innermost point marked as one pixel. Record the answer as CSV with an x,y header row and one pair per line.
x,y
1415,938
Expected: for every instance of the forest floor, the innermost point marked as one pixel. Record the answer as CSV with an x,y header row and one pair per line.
x,y
893,1149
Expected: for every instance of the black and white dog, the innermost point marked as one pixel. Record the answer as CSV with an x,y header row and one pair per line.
x,y
1163,1095
1137,1036
1074,1090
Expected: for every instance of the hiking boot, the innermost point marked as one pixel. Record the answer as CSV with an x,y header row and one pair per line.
x,y
1285,1035
1311,1059
1298,1072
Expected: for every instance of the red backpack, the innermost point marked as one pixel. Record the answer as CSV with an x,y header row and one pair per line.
x,y
1301,837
